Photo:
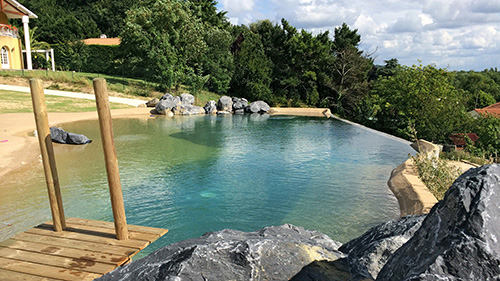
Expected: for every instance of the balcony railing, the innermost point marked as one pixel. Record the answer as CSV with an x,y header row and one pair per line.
x,y
8,30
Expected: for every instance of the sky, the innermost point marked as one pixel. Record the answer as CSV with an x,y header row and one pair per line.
x,y
452,34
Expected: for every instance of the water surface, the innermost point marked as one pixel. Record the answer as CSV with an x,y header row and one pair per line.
x,y
205,173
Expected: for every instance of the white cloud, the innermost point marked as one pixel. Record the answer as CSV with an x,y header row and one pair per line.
x,y
442,37
458,33
480,38
411,22
367,25
486,6
316,13
237,7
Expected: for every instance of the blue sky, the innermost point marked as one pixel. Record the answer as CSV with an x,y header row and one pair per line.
x,y
453,34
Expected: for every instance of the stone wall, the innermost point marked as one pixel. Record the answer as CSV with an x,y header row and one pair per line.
x,y
413,196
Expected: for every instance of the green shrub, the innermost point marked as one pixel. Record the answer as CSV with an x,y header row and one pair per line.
x,y
436,174
86,58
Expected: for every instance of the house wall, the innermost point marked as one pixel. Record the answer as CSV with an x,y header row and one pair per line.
x,y
13,45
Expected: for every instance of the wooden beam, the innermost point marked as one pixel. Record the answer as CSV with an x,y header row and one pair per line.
x,y
47,151
108,145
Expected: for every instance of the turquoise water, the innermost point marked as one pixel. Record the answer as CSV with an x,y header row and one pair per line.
x,y
205,173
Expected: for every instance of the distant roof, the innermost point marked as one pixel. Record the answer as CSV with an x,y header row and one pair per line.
x,y
492,109
102,41
14,10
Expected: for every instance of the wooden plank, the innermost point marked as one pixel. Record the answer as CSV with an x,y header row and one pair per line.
x,y
45,270
7,275
147,237
94,237
77,264
69,243
116,260
87,249
105,224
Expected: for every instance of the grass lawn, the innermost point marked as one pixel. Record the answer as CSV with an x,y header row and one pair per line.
x,y
19,102
117,86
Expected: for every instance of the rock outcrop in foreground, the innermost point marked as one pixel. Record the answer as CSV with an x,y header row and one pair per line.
x,y
457,240
369,253
272,253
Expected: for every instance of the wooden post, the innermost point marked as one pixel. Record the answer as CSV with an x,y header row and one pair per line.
x,y
108,144
47,151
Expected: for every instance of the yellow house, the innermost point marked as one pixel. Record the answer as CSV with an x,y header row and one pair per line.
x,y
10,43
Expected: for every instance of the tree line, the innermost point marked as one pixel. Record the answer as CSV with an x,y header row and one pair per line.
x,y
190,42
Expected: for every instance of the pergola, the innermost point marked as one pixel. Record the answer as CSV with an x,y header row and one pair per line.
x,y
14,10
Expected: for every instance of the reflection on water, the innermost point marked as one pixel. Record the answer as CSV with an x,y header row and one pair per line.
x,y
205,173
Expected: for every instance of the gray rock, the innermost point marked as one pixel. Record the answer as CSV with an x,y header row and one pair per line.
x,y
225,103
459,238
368,254
210,107
167,103
258,107
239,103
166,96
239,111
272,253
61,136
152,103
187,99
187,109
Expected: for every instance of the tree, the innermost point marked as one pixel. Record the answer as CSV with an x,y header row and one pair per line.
x,y
252,69
351,68
163,41
345,38
479,88
420,99
109,15
217,63
62,21
206,10
389,69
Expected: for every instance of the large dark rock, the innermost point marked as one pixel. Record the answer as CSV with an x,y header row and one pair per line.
x,y
459,238
210,107
368,254
187,99
225,103
258,107
239,103
272,253
61,136
167,103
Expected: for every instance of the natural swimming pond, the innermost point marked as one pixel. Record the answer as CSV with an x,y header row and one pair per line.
x,y
204,173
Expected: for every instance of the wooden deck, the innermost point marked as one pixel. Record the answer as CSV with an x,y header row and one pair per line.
x,y
87,249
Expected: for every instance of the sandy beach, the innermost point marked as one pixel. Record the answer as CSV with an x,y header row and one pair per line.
x,y
19,146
